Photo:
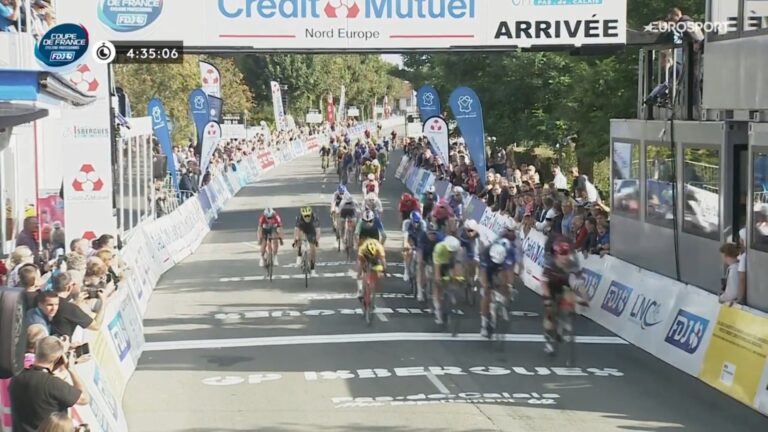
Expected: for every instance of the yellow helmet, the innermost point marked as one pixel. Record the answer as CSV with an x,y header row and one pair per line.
x,y
306,212
371,248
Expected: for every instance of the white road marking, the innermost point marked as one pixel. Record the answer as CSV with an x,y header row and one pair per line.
x,y
263,277
382,317
352,338
438,385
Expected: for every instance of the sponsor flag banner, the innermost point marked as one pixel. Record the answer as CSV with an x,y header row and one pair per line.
x,y
277,106
198,106
216,105
342,104
330,114
211,138
736,355
468,112
436,131
156,111
210,79
85,134
428,102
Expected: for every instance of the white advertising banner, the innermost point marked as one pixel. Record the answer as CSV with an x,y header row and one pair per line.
x,y
362,25
211,138
277,106
210,79
436,131
85,134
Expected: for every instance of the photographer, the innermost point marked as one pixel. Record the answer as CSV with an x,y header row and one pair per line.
x,y
36,392
69,314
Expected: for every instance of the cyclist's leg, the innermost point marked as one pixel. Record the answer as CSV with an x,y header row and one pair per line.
x,y
313,240
407,258
437,292
262,245
359,277
419,275
485,301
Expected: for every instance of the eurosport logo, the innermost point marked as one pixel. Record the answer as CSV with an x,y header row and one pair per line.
x,y
62,46
129,15
556,2
645,312
348,9
687,26
616,298
687,331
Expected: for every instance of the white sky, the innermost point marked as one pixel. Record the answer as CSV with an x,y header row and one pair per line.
x,y
396,59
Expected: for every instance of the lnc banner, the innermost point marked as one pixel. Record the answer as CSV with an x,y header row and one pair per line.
x,y
210,79
428,101
211,138
277,106
156,111
198,105
436,131
468,112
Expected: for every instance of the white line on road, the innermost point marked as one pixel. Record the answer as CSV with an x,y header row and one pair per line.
x,y
352,338
382,317
438,385
294,276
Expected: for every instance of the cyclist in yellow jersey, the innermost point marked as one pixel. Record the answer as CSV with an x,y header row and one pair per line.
x,y
371,252
446,264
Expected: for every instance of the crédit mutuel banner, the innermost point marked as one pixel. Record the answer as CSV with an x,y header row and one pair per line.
x,y
362,25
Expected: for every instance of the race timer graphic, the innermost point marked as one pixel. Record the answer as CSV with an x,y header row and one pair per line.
x,y
139,52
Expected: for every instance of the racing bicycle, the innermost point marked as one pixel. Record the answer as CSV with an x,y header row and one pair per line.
x,y
566,310
324,163
349,239
412,270
369,292
269,261
499,320
449,304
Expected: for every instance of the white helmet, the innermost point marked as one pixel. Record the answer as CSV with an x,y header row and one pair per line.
x,y
376,162
471,225
458,190
368,216
452,243
498,253
431,189
371,177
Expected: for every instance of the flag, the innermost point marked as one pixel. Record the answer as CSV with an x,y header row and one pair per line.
x,y
436,131
156,111
210,79
468,112
211,139
277,106
428,102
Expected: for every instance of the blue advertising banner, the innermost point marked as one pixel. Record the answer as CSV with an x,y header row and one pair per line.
x,y
468,112
428,102
156,111
198,105
216,105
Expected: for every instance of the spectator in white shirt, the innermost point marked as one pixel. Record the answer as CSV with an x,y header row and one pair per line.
x,y
561,183
730,255
743,263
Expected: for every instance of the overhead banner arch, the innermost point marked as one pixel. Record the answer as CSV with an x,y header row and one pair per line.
x,y
353,25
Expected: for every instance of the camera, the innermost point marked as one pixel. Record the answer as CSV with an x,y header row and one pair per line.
x,y
93,293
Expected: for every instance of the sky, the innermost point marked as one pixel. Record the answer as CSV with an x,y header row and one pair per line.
x,y
393,58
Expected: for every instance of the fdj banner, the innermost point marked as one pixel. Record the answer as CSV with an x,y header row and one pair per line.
x,y
156,111
428,102
468,112
355,24
198,105
436,131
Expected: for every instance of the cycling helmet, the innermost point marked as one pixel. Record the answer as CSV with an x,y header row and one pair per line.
x,y
561,248
269,212
306,212
372,248
432,228
371,177
452,243
498,253
341,190
471,225
506,244
376,162
416,217
431,189
458,190
368,216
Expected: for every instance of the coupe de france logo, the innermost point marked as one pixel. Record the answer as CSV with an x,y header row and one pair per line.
x,y
62,46
129,15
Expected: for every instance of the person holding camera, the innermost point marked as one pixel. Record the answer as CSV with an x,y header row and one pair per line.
x,y
36,392
69,315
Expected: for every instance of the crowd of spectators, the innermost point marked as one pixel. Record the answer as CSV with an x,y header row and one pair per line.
x,y
13,16
548,203
62,289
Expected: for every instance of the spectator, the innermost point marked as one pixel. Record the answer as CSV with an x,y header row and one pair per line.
x,y
590,244
69,316
20,256
107,256
76,269
10,12
500,162
579,232
731,291
533,176
743,264
35,333
80,246
47,306
568,215
560,182
36,392
57,422
30,282
105,241
29,236
603,239
57,236
3,273
527,225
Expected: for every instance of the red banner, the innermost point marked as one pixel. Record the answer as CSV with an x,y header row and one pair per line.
x,y
266,160
330,111
312,143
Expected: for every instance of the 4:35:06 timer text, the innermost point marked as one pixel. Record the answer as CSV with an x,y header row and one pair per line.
x,y
149,54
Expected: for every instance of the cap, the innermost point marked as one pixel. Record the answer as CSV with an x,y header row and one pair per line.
x,y
551,214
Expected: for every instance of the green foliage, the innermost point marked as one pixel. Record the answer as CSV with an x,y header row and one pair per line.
x,y
172,85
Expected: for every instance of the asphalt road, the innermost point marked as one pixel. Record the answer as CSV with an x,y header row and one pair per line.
x,y
228,351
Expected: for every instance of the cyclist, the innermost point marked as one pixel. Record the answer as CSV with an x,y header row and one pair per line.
x,y
270,226
370,226
371,252
370,185
560,265
446,264
368,168
372,202
347,209
442,213
428,200
408,203
376,168
496,259
412,229
341,190
456,201
470,239
426,246
325,154
308,225
347,165
334,147
394,139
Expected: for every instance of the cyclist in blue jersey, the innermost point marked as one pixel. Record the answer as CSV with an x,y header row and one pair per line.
x,y
496,259
426,245
456,202
412,229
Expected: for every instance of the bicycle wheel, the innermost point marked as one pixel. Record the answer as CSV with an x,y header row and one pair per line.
x,y
501,325
452,314
565,327
270,265
305,263
368,301
413,276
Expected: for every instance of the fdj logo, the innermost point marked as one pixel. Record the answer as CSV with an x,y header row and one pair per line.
x,y
129,15
65,56
616,299
347,9
645,311
120,336
62,45
587,285
687,331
